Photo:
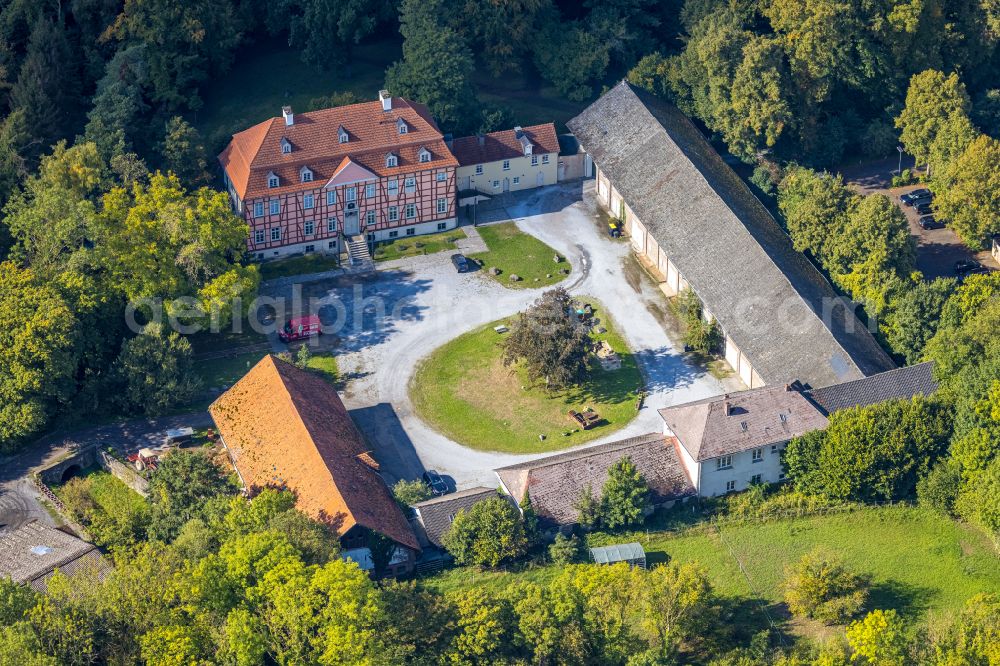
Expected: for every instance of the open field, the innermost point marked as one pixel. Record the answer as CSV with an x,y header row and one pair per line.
x,y
921,563
417,245
517,253
464,391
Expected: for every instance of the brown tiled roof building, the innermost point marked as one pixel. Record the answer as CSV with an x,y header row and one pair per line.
x,y
287,428
555,483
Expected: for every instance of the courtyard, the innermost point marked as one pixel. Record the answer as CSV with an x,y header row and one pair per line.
x,y
388,322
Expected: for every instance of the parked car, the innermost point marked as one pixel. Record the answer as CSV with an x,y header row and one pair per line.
x,y
436,483
301,328
966,266
916,195
924,208
462,264
928,222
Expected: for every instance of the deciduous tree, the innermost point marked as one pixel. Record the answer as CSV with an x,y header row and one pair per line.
x,y
549,341
625,496
489,533
821,587
969,197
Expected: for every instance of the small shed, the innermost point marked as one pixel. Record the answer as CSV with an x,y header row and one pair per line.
x,y
630,553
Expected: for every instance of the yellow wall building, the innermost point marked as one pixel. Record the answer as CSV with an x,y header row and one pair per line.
x,y
507,161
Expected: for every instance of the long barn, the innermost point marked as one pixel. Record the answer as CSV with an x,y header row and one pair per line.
x,y
696,225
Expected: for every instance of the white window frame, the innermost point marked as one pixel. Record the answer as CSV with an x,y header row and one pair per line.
x,y
370,217
409,184
370,190
274,207
724,462
757,478
393,213
308,201
306,175
496,184
331,225
757,455
331,197
309,228
411,211
425,156
286,147
730,486
534,160
275,234
479,169
343,136
442,205
394,233
545,158
441,176
259,236
393,187
506,165
517,180
351,194
273,181
442,226
391,160
402,127
258,209
411,232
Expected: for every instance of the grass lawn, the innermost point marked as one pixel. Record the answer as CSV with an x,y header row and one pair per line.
x,y
223,372
922,564
417,245
316,262
517,253
108,493
464,391
325,365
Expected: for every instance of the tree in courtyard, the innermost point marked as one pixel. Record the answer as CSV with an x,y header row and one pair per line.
x,y
701,335
625,495
184,481
820,587
155,371
588,508
436,67
564,549
408,493
489,533
879,639
970,202
935,126
550,341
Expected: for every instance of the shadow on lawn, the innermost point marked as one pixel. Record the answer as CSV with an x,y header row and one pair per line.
x,y
910,601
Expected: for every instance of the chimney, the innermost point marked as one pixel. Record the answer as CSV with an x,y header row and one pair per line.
x,y
481,139
727,407
386,99
286,113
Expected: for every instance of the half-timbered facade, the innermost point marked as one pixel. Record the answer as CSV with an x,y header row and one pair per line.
x,y
304,182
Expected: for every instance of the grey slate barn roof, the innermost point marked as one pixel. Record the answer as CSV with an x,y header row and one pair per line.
x,y
767,296
435,515
33,552
742,421
899,383
556,482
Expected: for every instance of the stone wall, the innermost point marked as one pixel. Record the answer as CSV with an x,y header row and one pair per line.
x,y
88,457
124,473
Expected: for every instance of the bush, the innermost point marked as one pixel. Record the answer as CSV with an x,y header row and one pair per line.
x,y
938,490
565,549
819,586
761,178
487,534
903,179
408,493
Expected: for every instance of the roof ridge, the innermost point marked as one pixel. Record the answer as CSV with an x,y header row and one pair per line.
x,y
584,452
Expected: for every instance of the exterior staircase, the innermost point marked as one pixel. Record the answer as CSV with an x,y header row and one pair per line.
x,y
359,258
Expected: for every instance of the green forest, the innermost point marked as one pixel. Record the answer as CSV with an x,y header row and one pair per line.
x,y
113,208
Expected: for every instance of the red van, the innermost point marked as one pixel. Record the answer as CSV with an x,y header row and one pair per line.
x,y
300,328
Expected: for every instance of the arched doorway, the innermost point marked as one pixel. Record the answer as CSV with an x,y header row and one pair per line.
x,y
69,473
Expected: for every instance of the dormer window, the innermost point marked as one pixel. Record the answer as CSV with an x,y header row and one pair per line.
x,y
286,146
342,135
424,155
272,179
306,174
402,126
391,160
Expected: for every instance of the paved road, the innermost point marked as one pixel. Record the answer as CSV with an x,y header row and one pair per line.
x,y
412,306
18,498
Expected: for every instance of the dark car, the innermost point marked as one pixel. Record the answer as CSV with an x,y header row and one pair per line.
x,y
915,196
924,208
928,222
436,483
966,266
462,264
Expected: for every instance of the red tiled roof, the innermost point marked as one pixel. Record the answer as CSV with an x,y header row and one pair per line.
x,y
287,428
504,145
314,136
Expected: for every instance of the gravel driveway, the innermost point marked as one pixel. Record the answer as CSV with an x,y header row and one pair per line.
x,y
393,319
